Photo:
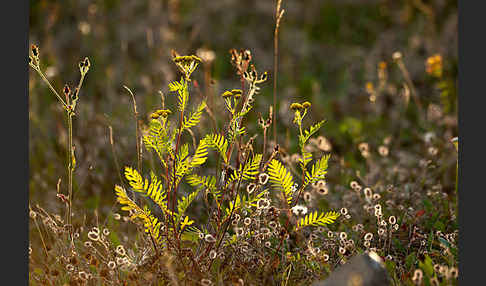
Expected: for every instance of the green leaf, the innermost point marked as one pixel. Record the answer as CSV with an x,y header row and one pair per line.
x,y
318,171
309,132
281,179
427,266
312,219
194,118
219,143
201,154
249,172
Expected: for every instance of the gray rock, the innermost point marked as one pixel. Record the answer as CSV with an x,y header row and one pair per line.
x,y
366,269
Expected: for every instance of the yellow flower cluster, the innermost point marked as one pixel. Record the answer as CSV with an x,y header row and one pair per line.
x,y
187,64
433,66
299,106
161,112
234,92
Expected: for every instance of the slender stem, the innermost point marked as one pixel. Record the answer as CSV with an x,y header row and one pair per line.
x,y
41,236
137,135
278,17
51,87
70,174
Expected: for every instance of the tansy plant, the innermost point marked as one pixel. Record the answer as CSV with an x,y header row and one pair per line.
x,y
235,191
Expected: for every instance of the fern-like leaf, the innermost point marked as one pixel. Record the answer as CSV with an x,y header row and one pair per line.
x,y
194,118
157,138
186,222
219,143
153,190
176,85
318,171
182,163
313,219
201,153
151,223
306,158
208,182
309,132
250,170
183,96
184,203
190,233
281,179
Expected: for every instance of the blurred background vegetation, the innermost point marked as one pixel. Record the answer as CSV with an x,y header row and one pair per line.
x,y
329,51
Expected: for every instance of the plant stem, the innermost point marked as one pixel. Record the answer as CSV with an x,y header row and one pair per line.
x,y
70,174
278,17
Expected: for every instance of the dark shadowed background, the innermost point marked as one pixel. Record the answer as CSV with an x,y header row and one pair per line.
x,y
328,51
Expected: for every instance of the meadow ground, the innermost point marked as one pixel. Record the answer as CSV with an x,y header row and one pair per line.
x,y
186,172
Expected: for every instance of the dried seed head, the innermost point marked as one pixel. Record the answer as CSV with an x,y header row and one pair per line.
x,y
206,282
378,213
299,210
209,238
120,250
35,51
343,235
323,190
106,232
212,254
265,231
251,188
324,144
368,236
239,231
363,147
392,220
376,197
83,275
247,221
342,250
263,178
453,272
93,235
112,264
381,231
417,276
344,211
66,90
307,197
263,204
397,56
383,150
